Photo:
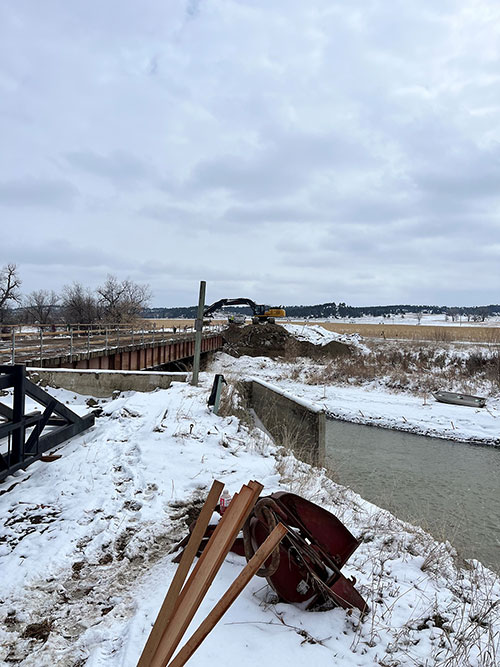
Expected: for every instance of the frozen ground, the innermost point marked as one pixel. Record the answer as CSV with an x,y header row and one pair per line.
x,y
84,554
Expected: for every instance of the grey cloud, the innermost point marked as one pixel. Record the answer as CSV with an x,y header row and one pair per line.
x,y
467,179
454,227
213,272
169,214
60,252
193,8
280,213
244,177
32,193
119,167
292,151
374,209
287,163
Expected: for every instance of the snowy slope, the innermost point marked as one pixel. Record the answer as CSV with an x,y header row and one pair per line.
x,y
84,547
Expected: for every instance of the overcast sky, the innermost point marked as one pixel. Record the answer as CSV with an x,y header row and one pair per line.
x,y
289,151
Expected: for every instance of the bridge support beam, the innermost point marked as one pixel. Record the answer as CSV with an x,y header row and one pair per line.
x,y
135,358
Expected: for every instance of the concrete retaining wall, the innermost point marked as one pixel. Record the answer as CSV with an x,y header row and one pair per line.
x,y
103,383
290,421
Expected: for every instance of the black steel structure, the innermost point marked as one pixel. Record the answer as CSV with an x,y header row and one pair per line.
x,y
22,440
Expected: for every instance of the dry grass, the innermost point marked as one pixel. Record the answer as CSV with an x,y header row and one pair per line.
x,y
415,367
476,334
233,402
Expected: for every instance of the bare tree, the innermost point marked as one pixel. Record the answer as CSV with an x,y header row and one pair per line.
x,y
79,304
122,301
40,306
10,282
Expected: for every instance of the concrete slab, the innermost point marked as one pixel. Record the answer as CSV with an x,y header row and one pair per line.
x,y
102,383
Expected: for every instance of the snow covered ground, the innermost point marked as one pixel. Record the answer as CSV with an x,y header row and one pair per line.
x,y
372,404
84,553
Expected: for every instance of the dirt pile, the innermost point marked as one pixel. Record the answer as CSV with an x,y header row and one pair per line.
x,y
272,340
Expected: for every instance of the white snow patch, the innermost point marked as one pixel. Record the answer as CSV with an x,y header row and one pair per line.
x,y
318,335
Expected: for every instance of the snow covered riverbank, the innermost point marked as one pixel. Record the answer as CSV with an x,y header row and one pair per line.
x,y
373,405
84,553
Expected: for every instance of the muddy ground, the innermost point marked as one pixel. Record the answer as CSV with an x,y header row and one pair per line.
x,y
272,340
66,606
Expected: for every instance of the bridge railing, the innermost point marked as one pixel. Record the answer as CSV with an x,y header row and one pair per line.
x,y
31,344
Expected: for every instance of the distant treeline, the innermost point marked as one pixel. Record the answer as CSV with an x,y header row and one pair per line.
x,y
342,310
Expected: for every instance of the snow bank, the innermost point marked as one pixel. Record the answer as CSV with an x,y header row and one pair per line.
x,y
318,335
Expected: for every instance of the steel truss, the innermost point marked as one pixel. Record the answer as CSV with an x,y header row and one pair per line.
x,y
24,432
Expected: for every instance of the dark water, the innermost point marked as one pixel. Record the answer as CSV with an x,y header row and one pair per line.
x,y
451,489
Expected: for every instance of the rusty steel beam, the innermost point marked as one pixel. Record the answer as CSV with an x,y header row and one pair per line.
x,y
140,356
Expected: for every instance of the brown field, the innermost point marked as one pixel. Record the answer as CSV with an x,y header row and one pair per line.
x,y
434,333
475,334
170,323
180,324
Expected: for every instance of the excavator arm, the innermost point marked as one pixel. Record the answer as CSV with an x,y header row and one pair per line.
x,y
261,313
230,302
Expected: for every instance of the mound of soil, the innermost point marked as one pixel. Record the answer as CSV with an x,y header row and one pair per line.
x,y
272,340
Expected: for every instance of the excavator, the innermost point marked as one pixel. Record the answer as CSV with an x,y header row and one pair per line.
x,y
260,313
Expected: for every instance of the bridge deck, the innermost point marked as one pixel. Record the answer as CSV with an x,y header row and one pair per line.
x,y
115,348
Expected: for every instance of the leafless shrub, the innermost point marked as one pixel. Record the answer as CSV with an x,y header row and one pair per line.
x,y
233,402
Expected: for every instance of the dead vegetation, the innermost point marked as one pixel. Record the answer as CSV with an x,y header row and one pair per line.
x,y
403,365
413,366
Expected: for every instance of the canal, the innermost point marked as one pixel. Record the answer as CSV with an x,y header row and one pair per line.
x,y
451,489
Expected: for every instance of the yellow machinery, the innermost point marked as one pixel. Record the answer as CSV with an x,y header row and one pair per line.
x,y
260,312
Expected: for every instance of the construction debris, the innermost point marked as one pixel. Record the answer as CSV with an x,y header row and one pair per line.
x,y
306,566
298,546
182,601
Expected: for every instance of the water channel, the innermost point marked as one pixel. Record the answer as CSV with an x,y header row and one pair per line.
x,y
451,489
